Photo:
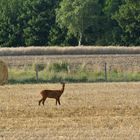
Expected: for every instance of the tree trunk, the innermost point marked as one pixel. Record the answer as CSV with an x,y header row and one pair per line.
x,y
80,39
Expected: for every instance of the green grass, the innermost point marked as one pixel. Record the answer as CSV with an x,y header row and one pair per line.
x,y
29,76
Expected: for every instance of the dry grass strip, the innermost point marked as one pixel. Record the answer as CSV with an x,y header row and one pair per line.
x,y
85,50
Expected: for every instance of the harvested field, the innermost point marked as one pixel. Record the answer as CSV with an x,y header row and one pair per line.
x,y
103,111
121,63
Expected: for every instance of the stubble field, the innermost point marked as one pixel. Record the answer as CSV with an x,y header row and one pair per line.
x,y
102,111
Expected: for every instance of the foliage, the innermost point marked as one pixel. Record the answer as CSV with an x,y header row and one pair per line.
x,y
39,17
111,31
58,67
11,29
69,22
128,18
78,15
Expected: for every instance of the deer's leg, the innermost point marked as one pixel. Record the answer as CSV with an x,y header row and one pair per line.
x,y
44,100
59,101
56,101
40,101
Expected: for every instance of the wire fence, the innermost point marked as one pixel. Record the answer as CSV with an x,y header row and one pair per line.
x,y
104,67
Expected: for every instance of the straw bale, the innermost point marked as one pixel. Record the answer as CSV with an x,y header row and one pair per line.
x,y
3,73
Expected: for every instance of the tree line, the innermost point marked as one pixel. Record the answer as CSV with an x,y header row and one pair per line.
x,y
69,22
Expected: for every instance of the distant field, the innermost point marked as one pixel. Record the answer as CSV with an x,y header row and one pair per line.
x,y
94,58
106,111
121,63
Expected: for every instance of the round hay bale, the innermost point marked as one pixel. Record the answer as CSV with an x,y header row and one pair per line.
x,y
3,73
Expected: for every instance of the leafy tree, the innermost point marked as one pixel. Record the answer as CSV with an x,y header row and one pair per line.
x,y
56,36
39,16
128,18
69,22
59,36
10,25
111,30
77,16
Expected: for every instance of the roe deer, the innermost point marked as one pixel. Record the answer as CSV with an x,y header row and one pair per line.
x,y
56,94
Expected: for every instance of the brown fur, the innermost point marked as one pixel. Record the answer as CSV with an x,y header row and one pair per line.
x,y
56,94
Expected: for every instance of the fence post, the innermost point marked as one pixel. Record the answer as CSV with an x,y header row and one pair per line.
x,y
68,69
105,71
36,70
